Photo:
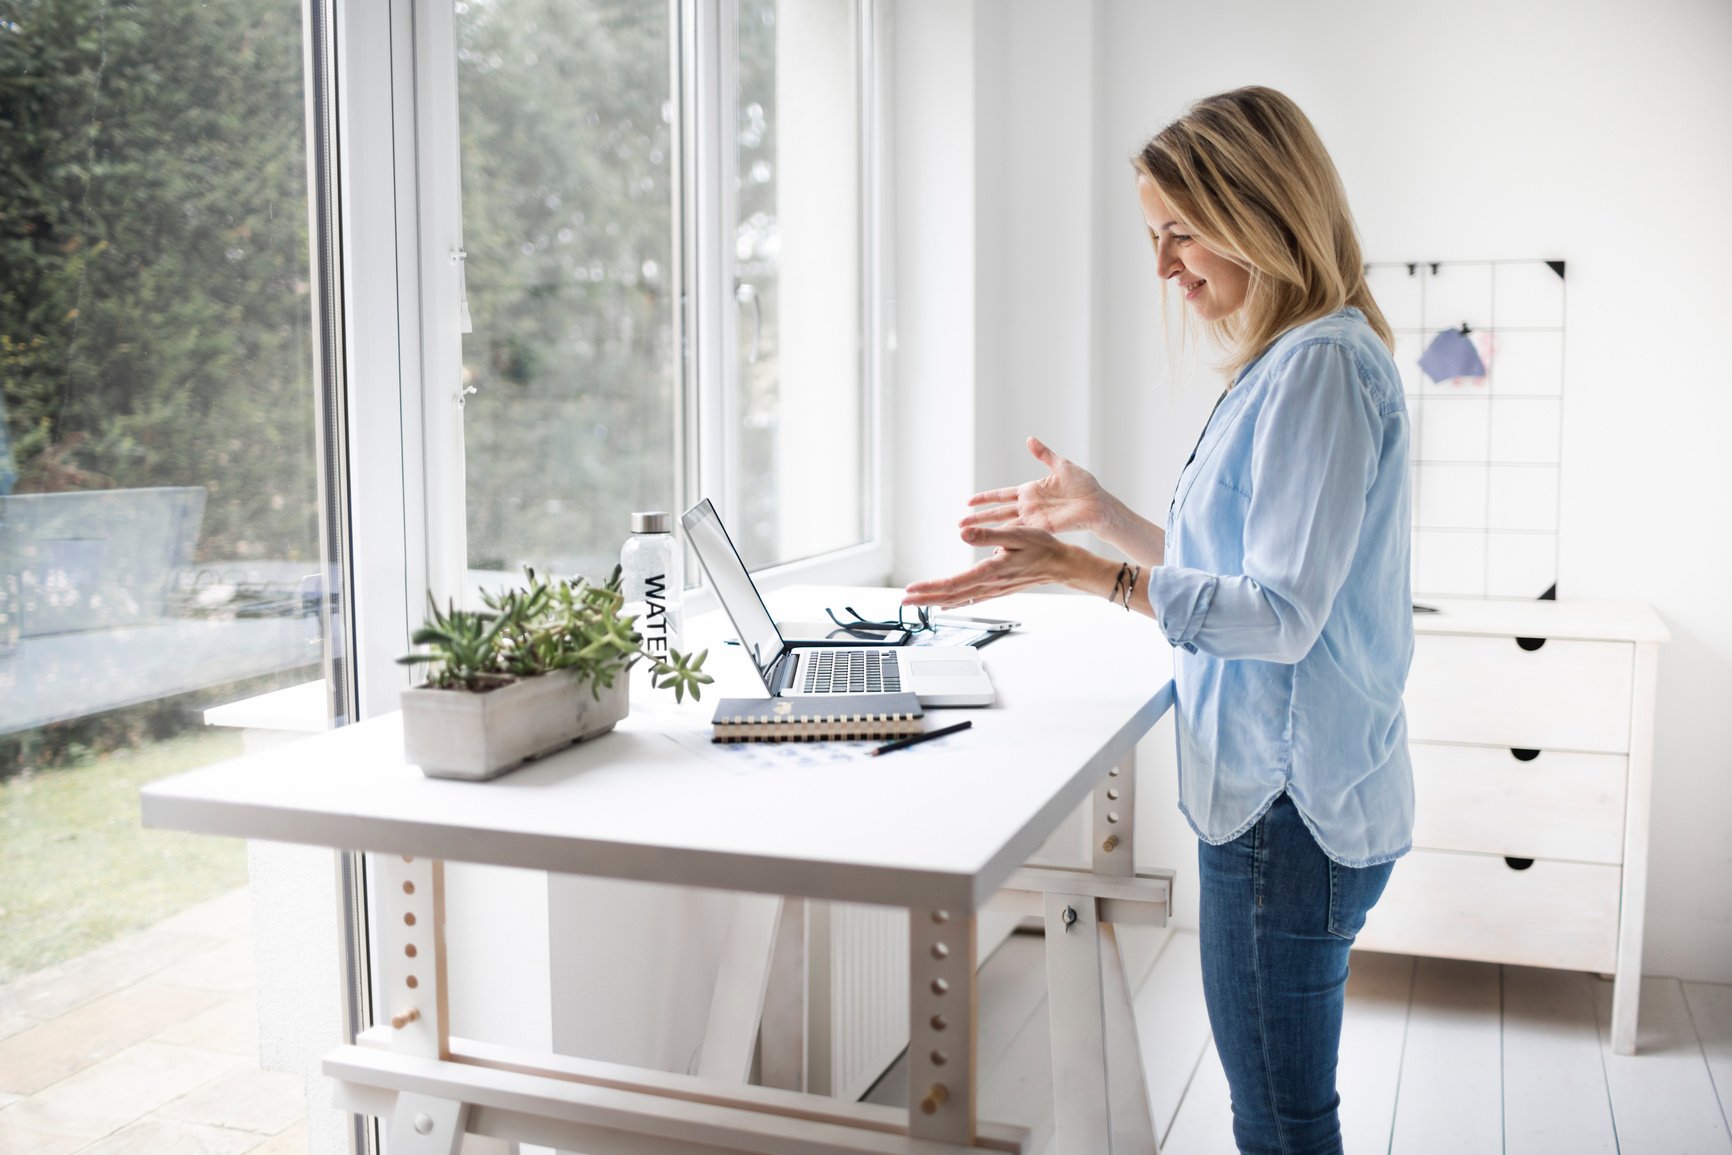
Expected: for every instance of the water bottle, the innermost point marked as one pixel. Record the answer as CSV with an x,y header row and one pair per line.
x,y
652,579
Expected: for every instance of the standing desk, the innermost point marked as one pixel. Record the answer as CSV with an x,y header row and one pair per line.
x,y
941,830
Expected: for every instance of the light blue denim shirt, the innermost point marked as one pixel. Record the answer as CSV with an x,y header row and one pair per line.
x,y
1286,592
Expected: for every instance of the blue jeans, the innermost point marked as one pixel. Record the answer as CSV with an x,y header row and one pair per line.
x,y
1277,918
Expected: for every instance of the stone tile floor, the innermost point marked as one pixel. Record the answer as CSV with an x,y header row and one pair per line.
x,y
147,1046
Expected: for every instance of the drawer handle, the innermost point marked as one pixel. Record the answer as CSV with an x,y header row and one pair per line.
x,y
1518,863
1530,644
1522,755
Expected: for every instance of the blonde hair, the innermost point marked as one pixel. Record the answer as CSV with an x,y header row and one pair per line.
x,y
1250,178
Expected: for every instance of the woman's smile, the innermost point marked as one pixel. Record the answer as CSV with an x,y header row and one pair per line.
x,y
1213,284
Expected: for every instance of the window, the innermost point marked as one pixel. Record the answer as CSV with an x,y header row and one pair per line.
x,y
567,152
162,515
656,216
662,295
798,446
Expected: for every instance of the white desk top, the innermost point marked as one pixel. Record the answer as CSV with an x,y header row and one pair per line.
x,y
941,825
1581,620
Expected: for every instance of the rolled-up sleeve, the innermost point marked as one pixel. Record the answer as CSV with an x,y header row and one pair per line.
x,y
1314,455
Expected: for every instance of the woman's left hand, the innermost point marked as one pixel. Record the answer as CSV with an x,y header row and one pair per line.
x,y
1021,558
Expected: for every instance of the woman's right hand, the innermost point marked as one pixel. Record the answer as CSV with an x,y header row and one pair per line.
x,y
1021,557
1067,498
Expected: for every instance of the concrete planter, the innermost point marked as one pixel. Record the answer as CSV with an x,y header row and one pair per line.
x,y
459,734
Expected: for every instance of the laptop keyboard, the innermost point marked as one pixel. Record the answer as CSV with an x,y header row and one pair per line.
x,y
850,672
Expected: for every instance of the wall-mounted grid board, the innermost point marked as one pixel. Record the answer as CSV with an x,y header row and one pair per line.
x,y
1486,450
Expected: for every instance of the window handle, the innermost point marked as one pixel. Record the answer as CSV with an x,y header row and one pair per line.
x,y
745,294
464,324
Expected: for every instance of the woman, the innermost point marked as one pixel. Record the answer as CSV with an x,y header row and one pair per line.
x,y
1281,577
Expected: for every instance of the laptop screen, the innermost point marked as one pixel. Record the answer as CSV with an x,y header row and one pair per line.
x,y
734,588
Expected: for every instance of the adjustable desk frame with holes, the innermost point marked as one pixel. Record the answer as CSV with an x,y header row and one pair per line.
x,y
942,829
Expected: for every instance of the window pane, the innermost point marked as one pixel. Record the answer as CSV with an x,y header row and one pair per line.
x,y
800,440
159,516
566,110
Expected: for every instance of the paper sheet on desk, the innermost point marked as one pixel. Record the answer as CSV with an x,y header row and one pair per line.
x,y
752,757
945,634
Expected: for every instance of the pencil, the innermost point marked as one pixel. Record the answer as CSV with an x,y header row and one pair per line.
x,y
903,743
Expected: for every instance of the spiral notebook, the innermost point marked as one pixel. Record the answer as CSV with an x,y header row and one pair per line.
x,y
845,716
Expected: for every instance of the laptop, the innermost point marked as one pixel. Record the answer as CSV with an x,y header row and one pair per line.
x,y
937,675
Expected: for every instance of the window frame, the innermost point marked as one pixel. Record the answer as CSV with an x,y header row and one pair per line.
x,y
398,220
711,206
382,350
429,235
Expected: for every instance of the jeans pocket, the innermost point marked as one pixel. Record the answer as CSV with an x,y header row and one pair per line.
x,y
1353,891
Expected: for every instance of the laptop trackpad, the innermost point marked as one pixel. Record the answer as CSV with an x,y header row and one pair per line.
x,y
946,669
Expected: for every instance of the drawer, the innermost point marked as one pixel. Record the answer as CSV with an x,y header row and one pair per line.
x,y
1565,695
1542,804
1474,906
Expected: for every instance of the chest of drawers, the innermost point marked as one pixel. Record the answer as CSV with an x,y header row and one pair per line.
x,y
1531,727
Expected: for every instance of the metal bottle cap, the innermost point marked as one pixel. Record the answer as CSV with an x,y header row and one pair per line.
x,y
654,521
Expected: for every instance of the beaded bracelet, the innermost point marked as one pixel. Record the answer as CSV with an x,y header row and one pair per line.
x,y
1119,581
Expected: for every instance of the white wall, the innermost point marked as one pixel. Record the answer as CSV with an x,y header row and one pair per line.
x,y
1033,233
818,295
1597,133
931,367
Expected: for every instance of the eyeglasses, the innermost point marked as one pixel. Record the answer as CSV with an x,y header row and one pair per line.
x,y
858,621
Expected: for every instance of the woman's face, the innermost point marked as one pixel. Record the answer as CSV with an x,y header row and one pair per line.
x,y
1213,285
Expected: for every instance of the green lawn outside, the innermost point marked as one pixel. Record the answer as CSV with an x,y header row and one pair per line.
x,y
77,869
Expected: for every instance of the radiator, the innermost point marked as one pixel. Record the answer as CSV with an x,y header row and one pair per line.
x,y
858,1004
857,998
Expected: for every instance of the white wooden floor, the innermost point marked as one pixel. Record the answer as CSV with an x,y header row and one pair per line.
x,y
1436,1056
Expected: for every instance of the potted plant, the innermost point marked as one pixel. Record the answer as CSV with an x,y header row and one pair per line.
x,y
539,668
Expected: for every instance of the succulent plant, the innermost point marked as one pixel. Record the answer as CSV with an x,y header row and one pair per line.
x,y
546,625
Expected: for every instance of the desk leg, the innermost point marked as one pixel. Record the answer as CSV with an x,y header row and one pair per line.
x,y
737,999
423,1125
942,1014
1133,1124
1115,855
1100,1093
1115,820
783,1032
412,936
